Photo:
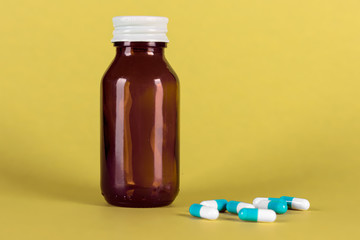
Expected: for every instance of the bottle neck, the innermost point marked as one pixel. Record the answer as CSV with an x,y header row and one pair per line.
x,y
155,49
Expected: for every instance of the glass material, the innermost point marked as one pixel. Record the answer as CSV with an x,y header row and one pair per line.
x,y
139,127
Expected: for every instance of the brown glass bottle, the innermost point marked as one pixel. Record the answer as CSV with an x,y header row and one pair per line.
x,y
139,123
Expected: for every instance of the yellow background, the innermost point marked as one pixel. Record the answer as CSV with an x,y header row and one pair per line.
x,y
270,106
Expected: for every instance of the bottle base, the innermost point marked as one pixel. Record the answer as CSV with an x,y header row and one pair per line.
x,y
139,205
132,204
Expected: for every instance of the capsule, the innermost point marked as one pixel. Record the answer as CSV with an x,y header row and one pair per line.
x,y
201,211
257,215
235,206
219,204
259,199
296,203
276,205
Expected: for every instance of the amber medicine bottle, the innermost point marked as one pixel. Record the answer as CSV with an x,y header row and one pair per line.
x,y
140,117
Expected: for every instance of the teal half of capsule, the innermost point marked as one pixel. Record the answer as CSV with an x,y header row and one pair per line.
x,y
288,200
222,203
279,207
249,214
195,210
231,206
276,199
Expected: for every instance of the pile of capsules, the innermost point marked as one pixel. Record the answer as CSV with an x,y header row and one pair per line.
x,y
262,209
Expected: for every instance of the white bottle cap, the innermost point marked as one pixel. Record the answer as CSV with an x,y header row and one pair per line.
x,y
140,29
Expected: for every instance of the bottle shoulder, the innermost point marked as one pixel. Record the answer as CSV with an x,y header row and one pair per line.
x,y
140,70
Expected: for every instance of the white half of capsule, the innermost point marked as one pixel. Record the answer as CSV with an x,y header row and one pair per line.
x,y
209,212
242,205
266,215
259,199
262,204
210,203
300,204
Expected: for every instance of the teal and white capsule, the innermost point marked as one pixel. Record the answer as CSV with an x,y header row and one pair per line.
x,y
219,204
276,205
235,206
296,203
259,199
257,215
201,211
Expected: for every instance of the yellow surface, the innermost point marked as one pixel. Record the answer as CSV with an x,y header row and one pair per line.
x,y
270,105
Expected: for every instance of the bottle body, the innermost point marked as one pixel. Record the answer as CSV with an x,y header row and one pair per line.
x,y
139,127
